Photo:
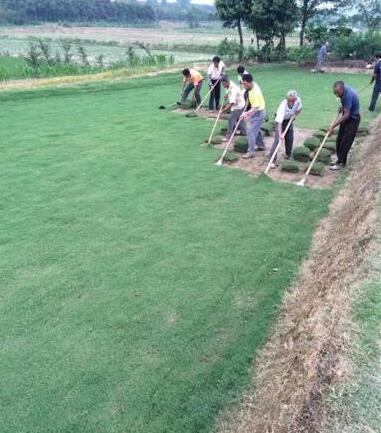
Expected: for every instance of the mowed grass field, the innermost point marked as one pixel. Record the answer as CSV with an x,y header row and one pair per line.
x,y
138,279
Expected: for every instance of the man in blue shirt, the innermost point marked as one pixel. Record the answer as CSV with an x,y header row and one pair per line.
x,y
376,79
322,57
348,121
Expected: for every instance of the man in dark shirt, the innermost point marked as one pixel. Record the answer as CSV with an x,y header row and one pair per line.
x,y
377,83
348,121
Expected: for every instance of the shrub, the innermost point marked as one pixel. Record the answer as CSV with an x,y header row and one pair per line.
x,y
317,169
331,146
302,154
324,156
357,45
289,166
301,55
230,157
241,145
229,49
312,143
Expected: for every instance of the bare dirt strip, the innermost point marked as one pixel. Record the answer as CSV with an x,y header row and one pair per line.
x,y
308,349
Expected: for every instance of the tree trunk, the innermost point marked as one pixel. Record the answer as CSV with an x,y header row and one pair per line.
x,y
304,22
239,28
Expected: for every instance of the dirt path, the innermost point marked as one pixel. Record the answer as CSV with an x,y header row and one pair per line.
x,y
307,350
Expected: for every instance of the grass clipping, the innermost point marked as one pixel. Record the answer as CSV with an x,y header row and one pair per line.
x,y
307,351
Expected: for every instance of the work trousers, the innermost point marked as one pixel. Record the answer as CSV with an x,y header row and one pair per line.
x,y
345,139
288,139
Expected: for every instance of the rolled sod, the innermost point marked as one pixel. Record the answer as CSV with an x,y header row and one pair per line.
x,y
301,154
268,128
317,169
217,139
230,157
324,156
241,145
319,134
188,105
330,145
289,166
312,143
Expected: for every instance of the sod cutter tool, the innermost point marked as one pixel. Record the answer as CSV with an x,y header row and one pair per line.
x,y
215,125
206,96
279,143
221,160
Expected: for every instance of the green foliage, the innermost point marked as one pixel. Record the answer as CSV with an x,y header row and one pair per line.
x,y
25,11
229,49
301,55
301,154
312,143
289,166
317,169
317,35
240,144
357,46
324,156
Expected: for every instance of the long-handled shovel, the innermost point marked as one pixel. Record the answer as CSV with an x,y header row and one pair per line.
x,y
220,161
279,143
303,181
215,125
206,96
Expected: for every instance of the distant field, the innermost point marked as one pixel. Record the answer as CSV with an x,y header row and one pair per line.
x,y
186,44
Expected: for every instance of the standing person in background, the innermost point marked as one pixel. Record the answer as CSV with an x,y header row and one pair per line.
x,y
241,71
236,105
376,79
288,108
215,71
349,122
322,57
254,115
192,80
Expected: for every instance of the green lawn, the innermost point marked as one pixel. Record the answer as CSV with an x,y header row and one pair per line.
x,y
138,278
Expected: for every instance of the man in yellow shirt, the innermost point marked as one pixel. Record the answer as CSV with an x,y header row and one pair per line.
x,y
192,80
254,115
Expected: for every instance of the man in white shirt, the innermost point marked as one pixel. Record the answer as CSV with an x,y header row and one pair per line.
x,y
215,71
236,105
288,109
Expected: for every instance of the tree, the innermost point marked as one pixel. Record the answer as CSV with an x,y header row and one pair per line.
x,y
233,14
273,19
311,8
370,13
